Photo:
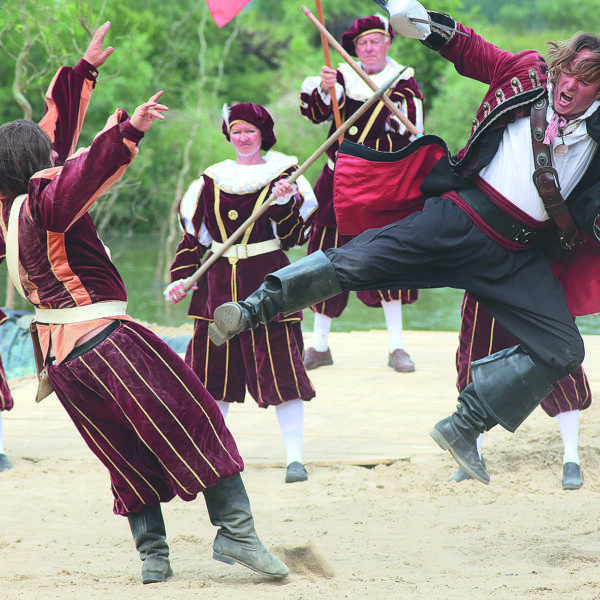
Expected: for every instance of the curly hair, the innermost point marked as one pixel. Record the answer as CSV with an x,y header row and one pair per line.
x,y
25,149
561,56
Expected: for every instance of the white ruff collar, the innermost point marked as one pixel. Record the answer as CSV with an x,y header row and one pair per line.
x,y
357,89
245,179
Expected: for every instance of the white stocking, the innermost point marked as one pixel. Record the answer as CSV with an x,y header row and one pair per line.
x,y
291,422
568,423
320,341
223,407
393,319
479,442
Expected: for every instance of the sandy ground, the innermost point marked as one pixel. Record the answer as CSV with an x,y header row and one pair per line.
x,y
376,519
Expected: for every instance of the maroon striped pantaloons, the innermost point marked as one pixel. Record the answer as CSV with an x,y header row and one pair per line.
x,y
480,335
147,417
267,360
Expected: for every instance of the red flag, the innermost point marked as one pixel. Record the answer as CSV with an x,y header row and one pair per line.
x,y
223,11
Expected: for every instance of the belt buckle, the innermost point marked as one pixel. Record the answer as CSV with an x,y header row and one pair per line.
x,y
239,254
524,236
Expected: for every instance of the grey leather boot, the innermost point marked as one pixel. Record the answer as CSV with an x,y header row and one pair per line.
x,y
237,540
506,387
148,529
297,286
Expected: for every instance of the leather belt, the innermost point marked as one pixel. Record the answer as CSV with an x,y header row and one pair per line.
x,y
545,177
93,342
242,251
496,218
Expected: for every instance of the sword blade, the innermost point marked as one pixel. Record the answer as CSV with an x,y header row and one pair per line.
x,y
382,4
428,22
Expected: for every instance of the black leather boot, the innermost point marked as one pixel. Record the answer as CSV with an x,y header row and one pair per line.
x,y
510,386
297,286
458,434
148,529
237,540
506,387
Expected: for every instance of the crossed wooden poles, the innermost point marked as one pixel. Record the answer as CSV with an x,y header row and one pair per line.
x,y
379,94
189,282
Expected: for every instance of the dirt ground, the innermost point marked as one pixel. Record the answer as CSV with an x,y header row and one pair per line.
x,y
377,518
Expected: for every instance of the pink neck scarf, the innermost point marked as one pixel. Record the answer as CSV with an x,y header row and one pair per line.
x,y
552,130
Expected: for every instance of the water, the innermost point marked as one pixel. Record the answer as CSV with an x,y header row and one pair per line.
x,y
136,258
436,309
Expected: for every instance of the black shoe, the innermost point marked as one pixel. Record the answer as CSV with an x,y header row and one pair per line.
x,y
295,472
5,464
462,475
454,434
572,476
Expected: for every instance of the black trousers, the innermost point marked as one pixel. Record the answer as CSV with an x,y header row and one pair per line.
x,y
442,247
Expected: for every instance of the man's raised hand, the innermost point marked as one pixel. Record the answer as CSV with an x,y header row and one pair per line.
x,y
145,114
94,54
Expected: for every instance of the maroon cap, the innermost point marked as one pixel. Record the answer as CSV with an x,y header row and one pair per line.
x,y
250,113
363,26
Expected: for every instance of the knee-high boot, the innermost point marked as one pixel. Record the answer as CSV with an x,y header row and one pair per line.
x,y
297,286
237,540
506,387
148,529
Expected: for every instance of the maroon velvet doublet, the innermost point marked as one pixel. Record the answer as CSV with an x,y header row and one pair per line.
x,y
147,417
375,125
268,360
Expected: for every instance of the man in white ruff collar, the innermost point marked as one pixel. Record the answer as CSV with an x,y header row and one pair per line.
x,y
369,39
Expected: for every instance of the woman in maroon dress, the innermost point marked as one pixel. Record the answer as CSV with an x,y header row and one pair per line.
x,y
267,361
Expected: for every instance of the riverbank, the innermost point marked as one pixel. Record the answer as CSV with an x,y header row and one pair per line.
x,y
377,517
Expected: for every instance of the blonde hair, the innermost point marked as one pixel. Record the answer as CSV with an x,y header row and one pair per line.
x,y
561,55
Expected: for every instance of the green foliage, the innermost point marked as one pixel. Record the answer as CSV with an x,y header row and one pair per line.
x,y
575,14
263,55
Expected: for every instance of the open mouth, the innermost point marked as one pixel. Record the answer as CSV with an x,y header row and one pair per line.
x,y
565,97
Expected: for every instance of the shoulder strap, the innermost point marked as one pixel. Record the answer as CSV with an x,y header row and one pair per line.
x,y
12,244
545,177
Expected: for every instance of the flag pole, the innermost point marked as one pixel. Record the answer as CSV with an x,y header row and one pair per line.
x,y
334,101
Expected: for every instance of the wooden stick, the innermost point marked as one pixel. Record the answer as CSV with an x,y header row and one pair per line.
x,y
359,71
334,101
332,139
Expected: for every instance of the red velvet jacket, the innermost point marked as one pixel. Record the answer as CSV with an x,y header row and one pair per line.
x,y
425,168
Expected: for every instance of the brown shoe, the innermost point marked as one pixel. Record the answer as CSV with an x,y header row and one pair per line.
x,y
401,362
314,359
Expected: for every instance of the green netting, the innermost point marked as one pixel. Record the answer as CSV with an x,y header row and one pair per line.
x,y
17,352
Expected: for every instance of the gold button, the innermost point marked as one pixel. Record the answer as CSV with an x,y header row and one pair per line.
x,y
233,215
353,130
